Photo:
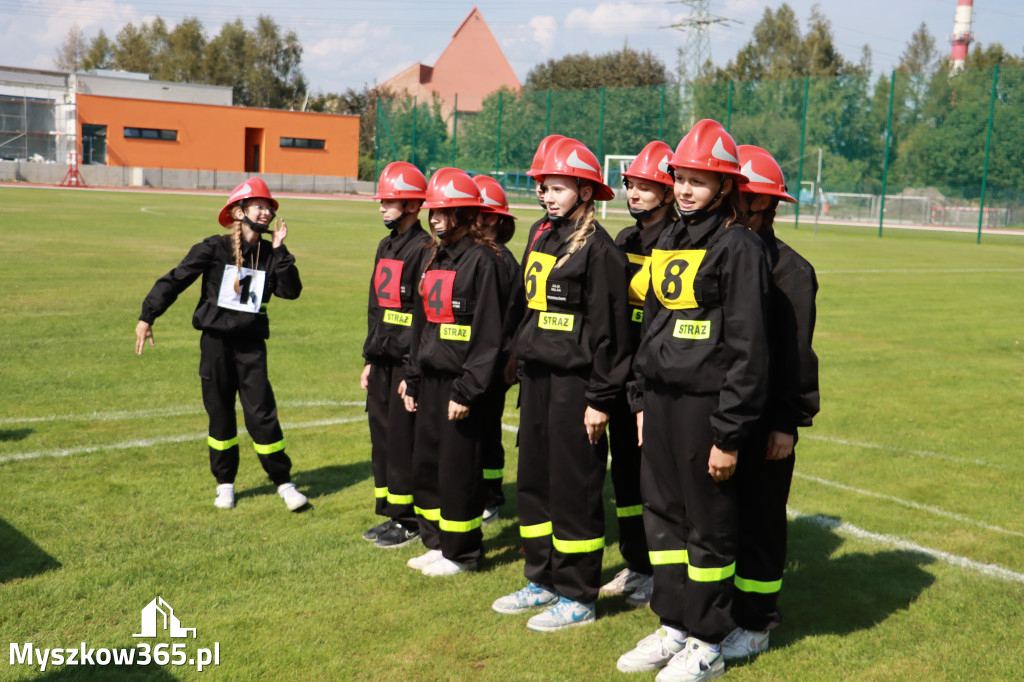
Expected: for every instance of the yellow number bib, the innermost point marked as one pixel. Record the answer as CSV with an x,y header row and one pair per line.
x,y
672,277
535,279
641,280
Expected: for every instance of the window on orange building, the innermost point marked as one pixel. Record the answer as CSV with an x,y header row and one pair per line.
x,y
151,134
302,143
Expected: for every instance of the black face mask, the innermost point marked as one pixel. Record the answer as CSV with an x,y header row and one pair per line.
x,y
393,224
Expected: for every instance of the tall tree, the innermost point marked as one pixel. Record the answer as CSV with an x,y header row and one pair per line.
x,y
100,54
132,50
72,51
274,77
182,58
626,68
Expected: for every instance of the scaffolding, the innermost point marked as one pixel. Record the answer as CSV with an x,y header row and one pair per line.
x,y
29,129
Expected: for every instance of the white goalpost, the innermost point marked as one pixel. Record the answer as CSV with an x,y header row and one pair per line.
x,y
622,161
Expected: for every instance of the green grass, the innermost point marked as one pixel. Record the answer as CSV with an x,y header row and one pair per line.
x,y
918,444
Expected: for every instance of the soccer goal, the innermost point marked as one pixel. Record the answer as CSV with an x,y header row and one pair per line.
x,y
614,166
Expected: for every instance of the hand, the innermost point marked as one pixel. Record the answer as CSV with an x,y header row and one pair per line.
x,y
780,445
721,464
401,389
280,232
640,428
143,331
364,378
457,411
410,403
512,370
595,422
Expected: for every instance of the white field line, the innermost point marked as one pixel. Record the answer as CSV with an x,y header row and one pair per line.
x,y
990,570
150,442
909,271
908,503
919,453
161,412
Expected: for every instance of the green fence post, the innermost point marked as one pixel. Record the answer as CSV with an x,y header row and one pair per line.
x,y
455,128
376,148
728,109
885,153
600,133
988,147
497,150
547,129
661,116
800,171
415,110
387,131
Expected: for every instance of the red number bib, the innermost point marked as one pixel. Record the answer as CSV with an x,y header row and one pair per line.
x,y
437,295
387,282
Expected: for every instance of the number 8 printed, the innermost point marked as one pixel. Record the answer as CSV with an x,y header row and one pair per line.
x,y
673,274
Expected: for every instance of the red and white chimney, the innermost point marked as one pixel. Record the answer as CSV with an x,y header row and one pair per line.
x,y
961,37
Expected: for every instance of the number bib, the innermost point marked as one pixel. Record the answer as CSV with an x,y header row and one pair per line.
x,y
672,277
640,278
387,282
535,279
437,300
249,296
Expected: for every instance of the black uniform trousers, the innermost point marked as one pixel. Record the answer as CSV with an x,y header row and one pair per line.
x,y
446,464
625,471
490,407
560,477
763,487
691,520
230,365
391,437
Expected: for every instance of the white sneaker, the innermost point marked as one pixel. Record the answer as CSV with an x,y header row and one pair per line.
x,y
624,581
291,496
490,515
423,560
642,595
530,597
225,496
566,613
445,566
653,652
743,643
695,663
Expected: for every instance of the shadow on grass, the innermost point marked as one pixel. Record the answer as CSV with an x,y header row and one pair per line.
x,y
317,483
11,435
22,558
113,673
826,594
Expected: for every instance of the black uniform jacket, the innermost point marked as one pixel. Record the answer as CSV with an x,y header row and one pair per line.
x,y
793,397
209,258
579,317
637,242
457,320
705,321
396,274
509,281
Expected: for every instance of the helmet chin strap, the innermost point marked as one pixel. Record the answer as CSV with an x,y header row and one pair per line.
x,y
699,213
393,224
644,214
559,220
257,227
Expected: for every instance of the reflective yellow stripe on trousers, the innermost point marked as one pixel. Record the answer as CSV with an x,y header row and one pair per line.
x,y
399,499
710,575
758,586
536,531
221,444
626,512
577,546
460,526
429,514
270,448
668,556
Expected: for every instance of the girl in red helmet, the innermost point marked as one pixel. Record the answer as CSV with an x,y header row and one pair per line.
x,y
648,182
767,458
703,361
398,265
240,272
455,345
497,224
573,343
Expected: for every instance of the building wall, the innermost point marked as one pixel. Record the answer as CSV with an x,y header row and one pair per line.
x,y
110,84
220,138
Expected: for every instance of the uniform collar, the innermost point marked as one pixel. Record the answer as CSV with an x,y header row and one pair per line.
x,y
649,235
455,250
699,230
400,240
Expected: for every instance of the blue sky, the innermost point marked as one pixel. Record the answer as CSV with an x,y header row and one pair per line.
x,y
348,44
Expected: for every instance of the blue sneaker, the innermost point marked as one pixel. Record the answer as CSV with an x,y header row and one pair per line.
x,y
530,597
565,614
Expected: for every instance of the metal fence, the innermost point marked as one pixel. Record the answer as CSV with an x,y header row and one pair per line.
x,y
939,151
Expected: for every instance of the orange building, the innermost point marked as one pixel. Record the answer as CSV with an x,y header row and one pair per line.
x,y
154,134
471,67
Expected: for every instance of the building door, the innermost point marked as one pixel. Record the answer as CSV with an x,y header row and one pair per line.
x,y
254,150
94,144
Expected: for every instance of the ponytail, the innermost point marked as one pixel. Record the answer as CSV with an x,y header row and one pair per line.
x,y
584,228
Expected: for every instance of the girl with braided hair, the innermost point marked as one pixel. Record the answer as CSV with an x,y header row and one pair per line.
x,y
573,343
457,327
240,272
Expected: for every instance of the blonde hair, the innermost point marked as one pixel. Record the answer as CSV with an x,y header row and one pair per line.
x,y
584,228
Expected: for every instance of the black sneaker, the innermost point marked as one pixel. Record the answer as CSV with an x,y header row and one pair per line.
x,y
378,530
397,536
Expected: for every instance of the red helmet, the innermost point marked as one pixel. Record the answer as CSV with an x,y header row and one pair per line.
x,y
708,147
652,164
571,157
253,188
492,194
451,188
542,150
401,180
763,173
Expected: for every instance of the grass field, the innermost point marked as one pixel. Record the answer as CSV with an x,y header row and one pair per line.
x,y
906,541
